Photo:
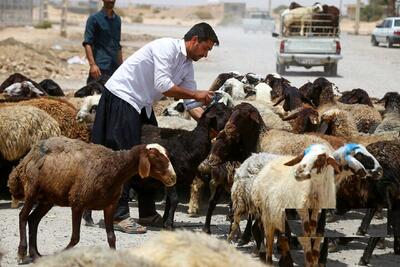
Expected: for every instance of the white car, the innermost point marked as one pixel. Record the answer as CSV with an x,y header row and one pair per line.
x,y
387,32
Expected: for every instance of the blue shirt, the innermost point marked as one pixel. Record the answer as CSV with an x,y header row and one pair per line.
x,y
104,35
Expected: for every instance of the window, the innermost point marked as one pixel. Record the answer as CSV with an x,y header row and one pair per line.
x,y
387,23
397,23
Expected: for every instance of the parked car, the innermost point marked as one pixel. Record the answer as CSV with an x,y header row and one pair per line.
x,y
387,32
258,21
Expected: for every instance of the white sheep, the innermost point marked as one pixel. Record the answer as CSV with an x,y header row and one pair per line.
x,y
302,14
25,88
242,186
176,123
305,182
88,108
192,249
235,88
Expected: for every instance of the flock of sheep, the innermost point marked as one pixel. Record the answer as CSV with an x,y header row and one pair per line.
x,y
273,147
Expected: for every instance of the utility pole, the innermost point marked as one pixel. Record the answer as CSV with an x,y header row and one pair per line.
x,y
270,8
357,22
45,10
63,26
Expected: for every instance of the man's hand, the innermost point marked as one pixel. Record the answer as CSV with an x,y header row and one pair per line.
x,y
204,96
94,71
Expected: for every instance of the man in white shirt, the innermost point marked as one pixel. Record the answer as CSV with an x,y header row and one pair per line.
x,y
163,67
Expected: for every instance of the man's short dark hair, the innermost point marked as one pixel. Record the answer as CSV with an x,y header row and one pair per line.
x,y
203,31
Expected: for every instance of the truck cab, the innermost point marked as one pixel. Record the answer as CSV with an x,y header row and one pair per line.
x,y
316,43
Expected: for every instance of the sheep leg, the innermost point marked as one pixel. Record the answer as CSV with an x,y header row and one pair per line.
x,y
305,221
234,225
362,230
23,219
76,226
286,258
211,206
270,242
195,190
316,250
372,241
109,212
314,221
307,248
246,236
258,234
33,223
171,203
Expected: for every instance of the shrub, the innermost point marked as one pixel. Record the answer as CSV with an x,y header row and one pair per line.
x,y
43,25
371,13
203,14
137,19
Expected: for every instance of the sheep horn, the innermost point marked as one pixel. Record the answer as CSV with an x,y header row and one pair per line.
x,y
279,100
331,161
295,160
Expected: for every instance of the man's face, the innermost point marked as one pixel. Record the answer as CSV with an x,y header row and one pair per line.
x,y
108,4
198,50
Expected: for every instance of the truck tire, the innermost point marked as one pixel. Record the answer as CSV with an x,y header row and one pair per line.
x,y
390,43
280,68
374,42
333,69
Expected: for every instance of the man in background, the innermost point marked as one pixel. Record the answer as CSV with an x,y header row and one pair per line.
x,y
102,43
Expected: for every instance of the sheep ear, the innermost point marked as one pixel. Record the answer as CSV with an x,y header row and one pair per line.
x,y
255,117
291,117
295,160
331,161
144,164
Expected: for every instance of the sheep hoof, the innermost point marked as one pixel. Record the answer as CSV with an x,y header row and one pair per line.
x,y
207,230
286,261
361,232
363,262
168,226
24,260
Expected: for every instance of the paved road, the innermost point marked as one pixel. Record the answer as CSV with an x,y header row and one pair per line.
x,y
375,69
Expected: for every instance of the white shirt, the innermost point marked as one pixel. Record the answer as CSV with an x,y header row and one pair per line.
x,y
152,70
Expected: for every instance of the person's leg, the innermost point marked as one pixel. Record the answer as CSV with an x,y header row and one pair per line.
x,y
146,189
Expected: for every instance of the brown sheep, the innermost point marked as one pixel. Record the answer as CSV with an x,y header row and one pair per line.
x,y
62,111
69,172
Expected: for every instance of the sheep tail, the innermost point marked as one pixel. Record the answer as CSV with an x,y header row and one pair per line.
x,y
15,184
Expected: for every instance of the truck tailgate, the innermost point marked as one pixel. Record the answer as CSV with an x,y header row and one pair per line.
x,y
310,45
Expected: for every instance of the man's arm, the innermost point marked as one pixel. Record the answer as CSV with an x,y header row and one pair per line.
x,y
94,70
182,93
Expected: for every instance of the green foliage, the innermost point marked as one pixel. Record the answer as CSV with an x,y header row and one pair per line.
x,y
203,14
43,25
137,19
156,11
372,13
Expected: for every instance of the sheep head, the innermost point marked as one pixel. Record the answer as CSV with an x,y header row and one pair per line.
x,y
175,109
356,158
307,120
154,162
240,135
313,160
392,102
214,118
277,83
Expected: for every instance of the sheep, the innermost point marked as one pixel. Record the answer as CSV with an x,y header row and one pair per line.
x,y
23,89
391,119
235,88
305,182
93,257
187,148
69,172
21,127
176,108
277,83
176,123
221,79
356,96
62,111
245,132
190,249
339,123
293,99
302,14
17,78
88,109
94,87
306,119
241,188
51,87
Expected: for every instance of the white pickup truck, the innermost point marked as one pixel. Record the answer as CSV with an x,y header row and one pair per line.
x,y
318,46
